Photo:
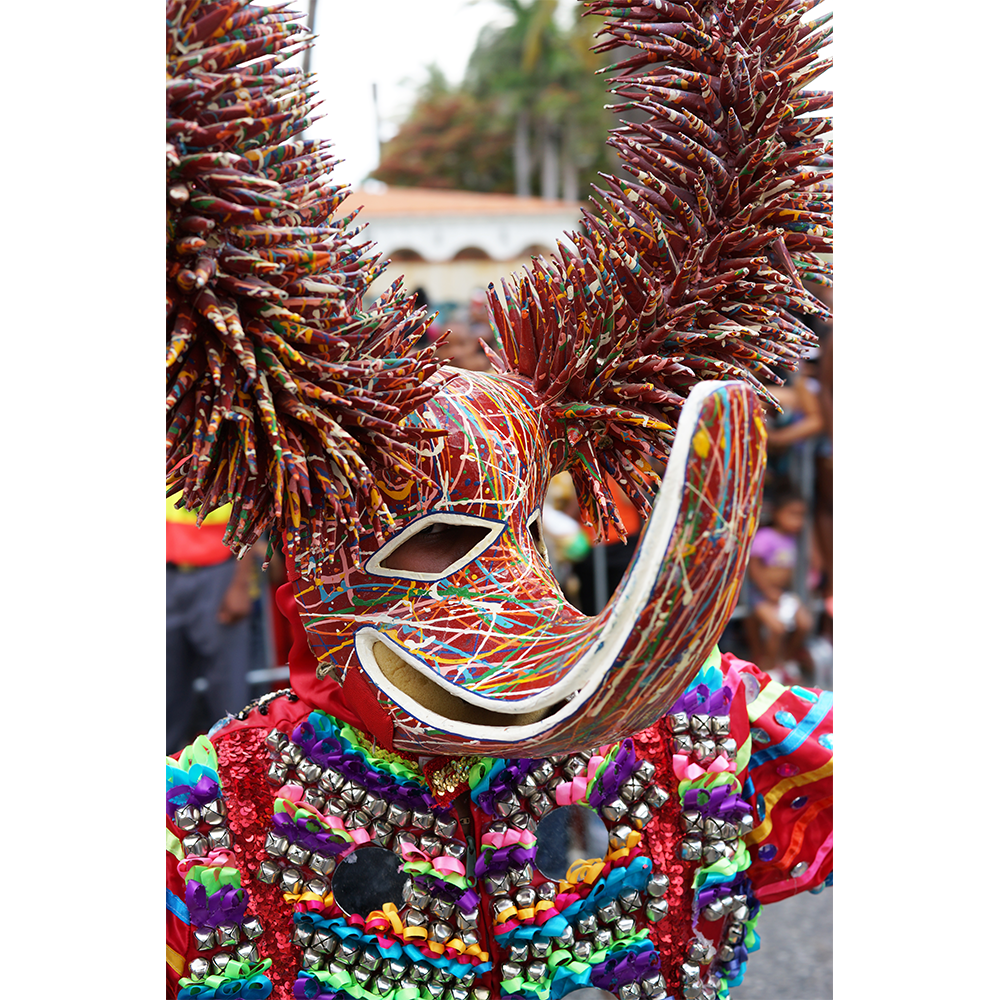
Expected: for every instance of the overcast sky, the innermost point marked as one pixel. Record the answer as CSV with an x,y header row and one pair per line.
x,y
390,43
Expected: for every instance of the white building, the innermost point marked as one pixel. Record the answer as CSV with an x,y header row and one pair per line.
x,y
453,242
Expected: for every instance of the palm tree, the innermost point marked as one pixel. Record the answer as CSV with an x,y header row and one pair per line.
x,y
543,76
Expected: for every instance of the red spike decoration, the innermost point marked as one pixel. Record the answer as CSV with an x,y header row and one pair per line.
x,y
284,396
692,267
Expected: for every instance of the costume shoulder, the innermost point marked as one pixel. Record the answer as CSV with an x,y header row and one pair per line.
x,y
790,785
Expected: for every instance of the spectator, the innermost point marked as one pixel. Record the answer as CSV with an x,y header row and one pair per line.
x,y
209,600
462,349
778,624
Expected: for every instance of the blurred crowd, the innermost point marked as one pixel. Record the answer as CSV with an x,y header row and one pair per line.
x,y
227,643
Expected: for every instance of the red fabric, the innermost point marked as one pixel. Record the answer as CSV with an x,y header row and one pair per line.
x,y
189,545
801,832
178,932
354,704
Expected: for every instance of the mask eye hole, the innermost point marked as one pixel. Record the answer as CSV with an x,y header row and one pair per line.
x,y
433,547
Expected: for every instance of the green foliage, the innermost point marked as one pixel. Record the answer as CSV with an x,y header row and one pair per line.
x,y
449,140
530,81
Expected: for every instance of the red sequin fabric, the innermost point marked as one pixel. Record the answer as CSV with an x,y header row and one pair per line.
x,y
243,762
661,841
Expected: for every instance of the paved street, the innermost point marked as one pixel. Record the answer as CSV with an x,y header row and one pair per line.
x,y
795,960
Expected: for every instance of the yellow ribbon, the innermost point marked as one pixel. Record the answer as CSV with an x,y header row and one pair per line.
x,y
583,870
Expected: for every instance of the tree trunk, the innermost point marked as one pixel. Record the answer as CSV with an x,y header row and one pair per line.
x,y
522,156
570,171
550,162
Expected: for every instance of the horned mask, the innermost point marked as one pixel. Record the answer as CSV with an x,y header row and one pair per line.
x,y
408,494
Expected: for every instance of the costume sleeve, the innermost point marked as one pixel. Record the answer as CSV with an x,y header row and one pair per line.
x,y
789,784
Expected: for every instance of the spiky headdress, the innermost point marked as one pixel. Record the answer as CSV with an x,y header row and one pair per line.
x,y
284,395
692,267
287,398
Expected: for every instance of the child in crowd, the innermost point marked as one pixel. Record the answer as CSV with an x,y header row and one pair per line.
x,y
779,623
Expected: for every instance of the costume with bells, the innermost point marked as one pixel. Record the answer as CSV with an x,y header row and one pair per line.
x,y
377,830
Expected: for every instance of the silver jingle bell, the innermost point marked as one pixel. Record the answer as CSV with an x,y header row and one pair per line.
x,y
656,797
422,820
275,740
308,772
187,817
324,941
535,972
629,900
315,798
331,780
198,968
618,837
298,855
719,725
678,722
204,939
547,891
656,910
195,845
219,837
397,815
227,935
614,810
252,928
658,884
539,948
445,827
646,771
631,790
690,849
699,951
213,813
374,805
543,771
640,814
291,880
690,973
624,927
441,907
302,935
524,821
508,970
430,844
352,793
276,773
701,725
269,872
540,804
524,897
313,960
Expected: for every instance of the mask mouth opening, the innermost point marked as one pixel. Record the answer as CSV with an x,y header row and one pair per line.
x,y
409,681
